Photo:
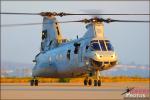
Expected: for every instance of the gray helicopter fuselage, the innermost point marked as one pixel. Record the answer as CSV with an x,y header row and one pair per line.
x,y
55,63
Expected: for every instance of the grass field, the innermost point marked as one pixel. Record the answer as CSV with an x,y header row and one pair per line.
x,y
74,80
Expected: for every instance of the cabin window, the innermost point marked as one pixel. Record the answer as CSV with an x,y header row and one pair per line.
x,y
86,48
76,50
68,54
44,34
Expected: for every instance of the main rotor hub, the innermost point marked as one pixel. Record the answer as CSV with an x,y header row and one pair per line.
x,y
53,14
96,19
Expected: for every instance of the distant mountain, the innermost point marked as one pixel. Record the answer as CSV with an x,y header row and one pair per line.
x,y
13,69
24,69
13,65
128,70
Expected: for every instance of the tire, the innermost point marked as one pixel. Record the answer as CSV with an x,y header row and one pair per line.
x,y
99,83
32,83
95,83
36,82
90,82
85,82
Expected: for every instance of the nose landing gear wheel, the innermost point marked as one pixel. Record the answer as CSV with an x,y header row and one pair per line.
x,y
31,82
34,82
95,83
99,82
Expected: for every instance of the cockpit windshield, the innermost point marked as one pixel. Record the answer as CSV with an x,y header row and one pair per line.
x,y
101,45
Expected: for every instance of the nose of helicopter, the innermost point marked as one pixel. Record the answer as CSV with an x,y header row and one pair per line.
x,y
103,59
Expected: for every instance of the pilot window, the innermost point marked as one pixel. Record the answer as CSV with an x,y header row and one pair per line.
x,y
102,45
95,46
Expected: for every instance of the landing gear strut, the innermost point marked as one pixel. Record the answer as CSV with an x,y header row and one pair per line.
x,y
34,82
95,78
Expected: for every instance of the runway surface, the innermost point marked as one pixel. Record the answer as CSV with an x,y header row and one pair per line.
x,y
67,90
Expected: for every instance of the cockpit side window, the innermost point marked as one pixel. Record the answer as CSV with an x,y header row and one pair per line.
x,y
109,46
95,46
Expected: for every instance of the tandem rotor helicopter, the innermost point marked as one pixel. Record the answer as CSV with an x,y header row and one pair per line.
x,y
85,56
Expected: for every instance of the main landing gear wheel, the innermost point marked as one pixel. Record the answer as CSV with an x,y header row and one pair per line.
x,y
31,82
90,82
95,83
99,82
34,82
85,82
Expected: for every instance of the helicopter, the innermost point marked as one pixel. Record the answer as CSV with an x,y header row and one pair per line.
x,y
85,56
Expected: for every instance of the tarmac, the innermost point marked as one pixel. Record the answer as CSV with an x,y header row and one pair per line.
x,y
109,90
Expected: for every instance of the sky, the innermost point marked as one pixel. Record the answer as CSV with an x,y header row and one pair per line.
x,y
130,40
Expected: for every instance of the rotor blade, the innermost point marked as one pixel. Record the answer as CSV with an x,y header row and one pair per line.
x,y
103,20
134,21
26,24
71,21
30,24
11,13
104,14
63,14
83,21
